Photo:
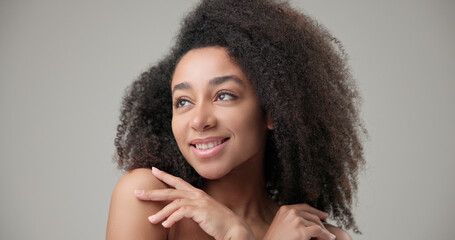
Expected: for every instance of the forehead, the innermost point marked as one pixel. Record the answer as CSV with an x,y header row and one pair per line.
x,y
200,65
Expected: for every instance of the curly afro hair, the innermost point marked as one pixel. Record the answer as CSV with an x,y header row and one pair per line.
x,y
301,78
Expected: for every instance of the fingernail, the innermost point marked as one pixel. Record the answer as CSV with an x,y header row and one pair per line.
x,y
333,236
152,218
139,192
155,169
165,224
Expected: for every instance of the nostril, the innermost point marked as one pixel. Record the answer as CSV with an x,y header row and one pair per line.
x,y
207,127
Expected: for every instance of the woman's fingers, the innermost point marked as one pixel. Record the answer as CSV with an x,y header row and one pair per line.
x,y
307,223
299,221
189,202
317,232
183,212
164,194
307,208
313,228
173,181
182,189
311,217
169,209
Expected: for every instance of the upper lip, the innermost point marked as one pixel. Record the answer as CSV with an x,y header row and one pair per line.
x,y
206,140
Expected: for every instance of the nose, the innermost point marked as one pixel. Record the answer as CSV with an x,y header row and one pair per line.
x,y
203,118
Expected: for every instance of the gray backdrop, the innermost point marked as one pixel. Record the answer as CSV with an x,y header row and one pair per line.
x,y
65,64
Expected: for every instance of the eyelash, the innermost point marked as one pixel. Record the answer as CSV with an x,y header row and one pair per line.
x,y
178,101
226,93
218,94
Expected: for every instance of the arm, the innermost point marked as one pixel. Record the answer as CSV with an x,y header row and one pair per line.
x,y
128,215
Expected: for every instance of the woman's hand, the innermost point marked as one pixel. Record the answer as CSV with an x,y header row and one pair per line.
x,y
189,202
299,221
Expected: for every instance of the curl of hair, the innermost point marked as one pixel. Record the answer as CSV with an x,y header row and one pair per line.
x,y
301,78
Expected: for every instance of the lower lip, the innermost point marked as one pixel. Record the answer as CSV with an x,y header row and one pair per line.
x,y
209,152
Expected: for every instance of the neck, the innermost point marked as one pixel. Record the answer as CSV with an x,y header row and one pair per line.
x,y
243,191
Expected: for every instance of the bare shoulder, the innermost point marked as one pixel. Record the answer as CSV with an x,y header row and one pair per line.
x,y
128,215
141,178
338,232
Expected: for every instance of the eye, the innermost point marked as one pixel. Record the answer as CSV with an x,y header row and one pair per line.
x,y
225,96
181,102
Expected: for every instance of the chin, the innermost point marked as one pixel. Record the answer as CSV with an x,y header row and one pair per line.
x,y
211,173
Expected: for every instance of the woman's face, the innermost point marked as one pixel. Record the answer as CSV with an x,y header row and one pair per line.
x,y
217,121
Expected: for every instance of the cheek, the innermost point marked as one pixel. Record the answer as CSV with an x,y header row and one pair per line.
x,y
177,130
250,127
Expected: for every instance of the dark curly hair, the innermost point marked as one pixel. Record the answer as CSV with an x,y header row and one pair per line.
x,y
301,78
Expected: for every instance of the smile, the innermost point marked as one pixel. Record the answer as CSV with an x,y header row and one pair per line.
x,y
204,149
204,146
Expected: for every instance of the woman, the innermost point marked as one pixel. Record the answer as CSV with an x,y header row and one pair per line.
x,y
253,119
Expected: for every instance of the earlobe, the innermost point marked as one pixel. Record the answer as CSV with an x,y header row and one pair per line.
x,y
269,121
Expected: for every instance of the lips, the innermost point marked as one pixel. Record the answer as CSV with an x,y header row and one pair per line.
x,y
208,147
209,140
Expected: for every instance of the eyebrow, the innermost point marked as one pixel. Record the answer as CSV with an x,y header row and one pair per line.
x,y
213,82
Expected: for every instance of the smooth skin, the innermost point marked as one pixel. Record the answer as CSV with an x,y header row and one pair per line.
x,y
151,204
214,99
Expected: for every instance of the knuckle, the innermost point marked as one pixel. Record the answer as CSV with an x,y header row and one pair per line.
x,y
167,192
199,193
185,208
293,212
178,202
284,208
298,222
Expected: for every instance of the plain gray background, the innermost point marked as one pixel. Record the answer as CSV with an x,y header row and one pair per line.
x,y
65,64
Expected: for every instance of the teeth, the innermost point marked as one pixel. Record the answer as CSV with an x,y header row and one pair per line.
x,y
205,146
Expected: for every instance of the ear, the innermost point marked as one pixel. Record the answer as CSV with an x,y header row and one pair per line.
x,y
269,121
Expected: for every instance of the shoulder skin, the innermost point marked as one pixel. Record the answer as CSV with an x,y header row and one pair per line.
x,y
338,232
128,216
